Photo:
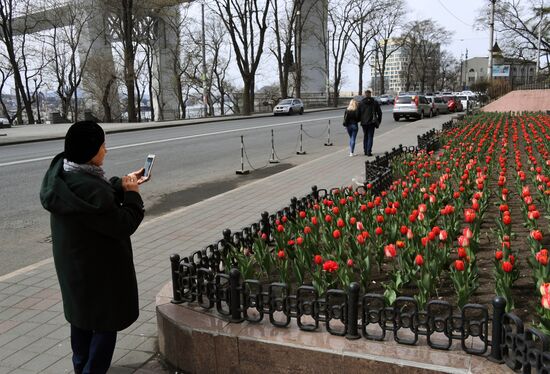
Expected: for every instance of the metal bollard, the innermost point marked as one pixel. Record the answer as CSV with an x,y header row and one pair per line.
x,y
499,306
273,159
353,301
328,143
301,151
175,265
242,171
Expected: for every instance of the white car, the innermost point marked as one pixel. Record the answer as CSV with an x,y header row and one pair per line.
x,y
289,106
412,106
4,121
386,99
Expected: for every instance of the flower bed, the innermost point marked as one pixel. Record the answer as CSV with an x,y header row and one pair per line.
x,y
447,220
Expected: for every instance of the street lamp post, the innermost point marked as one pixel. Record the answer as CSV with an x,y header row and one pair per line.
x,y
491,35
204,89
539,40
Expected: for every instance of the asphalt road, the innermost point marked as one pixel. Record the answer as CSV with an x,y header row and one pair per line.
x,y
192,163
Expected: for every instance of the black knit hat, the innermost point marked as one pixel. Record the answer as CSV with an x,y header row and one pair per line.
x,y
83,141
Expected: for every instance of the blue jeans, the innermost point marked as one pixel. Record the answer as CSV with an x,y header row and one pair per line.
x,y
368,132
353,129
92,350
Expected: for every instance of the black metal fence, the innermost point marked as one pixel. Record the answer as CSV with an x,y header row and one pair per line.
x,y
203,278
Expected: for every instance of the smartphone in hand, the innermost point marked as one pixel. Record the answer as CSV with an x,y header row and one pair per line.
x,y
149,162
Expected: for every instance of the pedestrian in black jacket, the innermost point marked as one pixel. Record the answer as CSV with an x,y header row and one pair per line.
x,y
92,219
351,121
371,117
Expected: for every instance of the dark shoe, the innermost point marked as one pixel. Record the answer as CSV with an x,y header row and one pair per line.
x,y
369,154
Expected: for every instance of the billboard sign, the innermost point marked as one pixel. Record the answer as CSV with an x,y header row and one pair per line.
x,y
501,70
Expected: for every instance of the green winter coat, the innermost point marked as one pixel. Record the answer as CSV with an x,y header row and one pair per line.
x,y
91,223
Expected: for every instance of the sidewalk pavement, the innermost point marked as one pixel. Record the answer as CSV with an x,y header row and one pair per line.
x,y
34,336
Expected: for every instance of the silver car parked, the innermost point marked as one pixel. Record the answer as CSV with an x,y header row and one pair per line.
x,y
439,106
289,106
411,106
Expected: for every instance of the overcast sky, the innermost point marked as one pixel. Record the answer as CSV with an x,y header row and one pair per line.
x,y
458,17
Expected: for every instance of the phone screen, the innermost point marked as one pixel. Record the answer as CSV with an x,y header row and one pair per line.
x,y
148,165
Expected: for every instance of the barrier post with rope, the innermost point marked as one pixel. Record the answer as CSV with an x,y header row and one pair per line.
x,y
273,159
328,143
242,171
301,151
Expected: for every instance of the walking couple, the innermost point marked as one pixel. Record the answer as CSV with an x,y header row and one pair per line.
x,y
369,114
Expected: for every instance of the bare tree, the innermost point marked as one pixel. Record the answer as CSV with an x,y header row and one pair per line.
x,y
14,28
246,23
517,23
220,75
340,32
428,37
366,14
387,25
67,54
448,71
284,21
101,87
6,72
127,13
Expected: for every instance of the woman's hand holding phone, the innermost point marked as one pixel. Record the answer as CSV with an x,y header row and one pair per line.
x,y
138,174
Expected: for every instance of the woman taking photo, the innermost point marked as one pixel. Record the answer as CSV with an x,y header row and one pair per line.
x,y
92,219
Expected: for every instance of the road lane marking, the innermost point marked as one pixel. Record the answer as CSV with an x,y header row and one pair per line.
x,y
27,161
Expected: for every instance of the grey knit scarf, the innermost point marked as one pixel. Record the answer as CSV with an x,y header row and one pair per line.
x,y
73,167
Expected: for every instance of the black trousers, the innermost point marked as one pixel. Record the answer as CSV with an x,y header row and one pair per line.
x,y
92,350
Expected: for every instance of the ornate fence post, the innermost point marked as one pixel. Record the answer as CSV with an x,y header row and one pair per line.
x,y
353,311
235,295
315,192
265,227
175,265
499,305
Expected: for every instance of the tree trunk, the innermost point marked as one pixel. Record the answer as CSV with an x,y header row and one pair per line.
x,y
65,104
246,96
361,67
105,101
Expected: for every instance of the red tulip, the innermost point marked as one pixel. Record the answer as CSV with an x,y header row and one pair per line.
x,y
281,254
318,259
390,250
459,265
537,235
330,266
419,260
336,234
507,266
542,257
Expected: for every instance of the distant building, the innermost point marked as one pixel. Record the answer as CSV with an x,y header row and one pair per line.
x,y
515,70
395,73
